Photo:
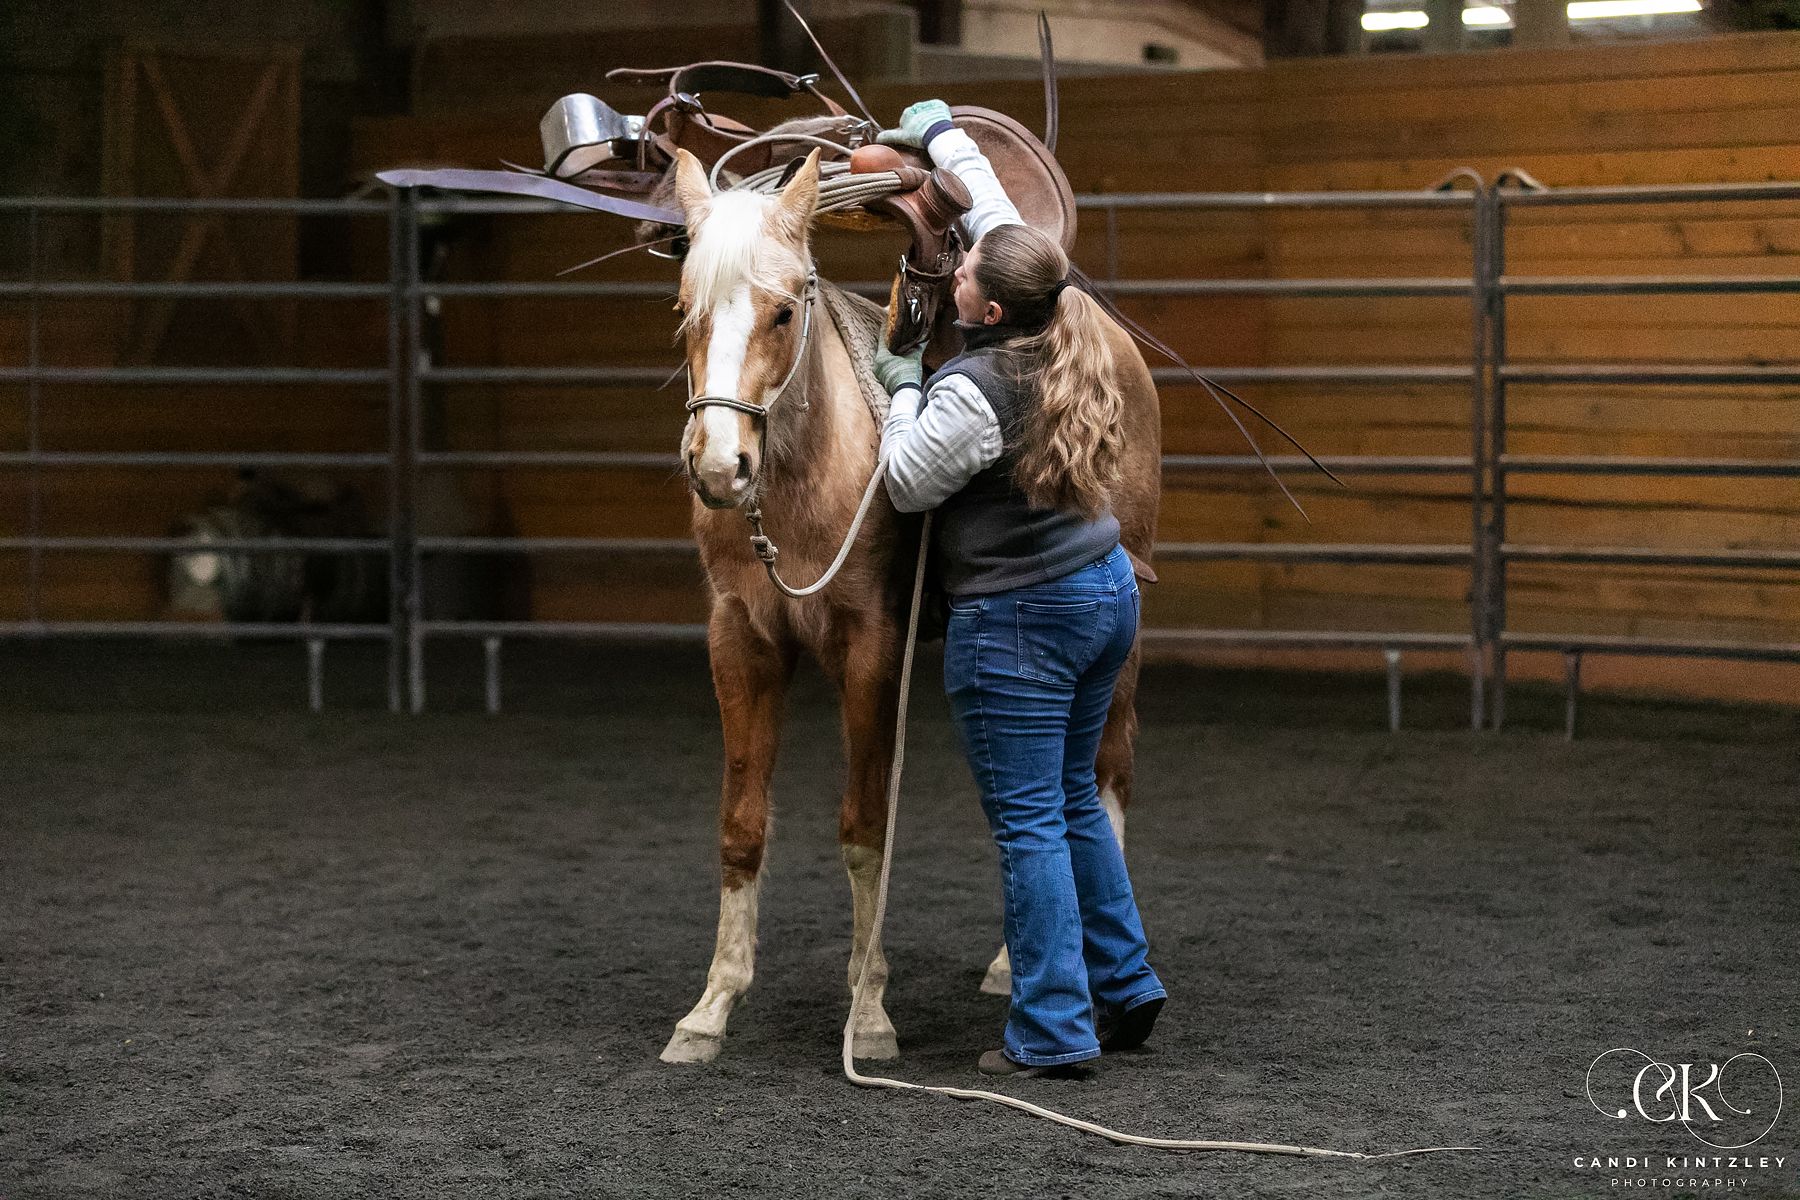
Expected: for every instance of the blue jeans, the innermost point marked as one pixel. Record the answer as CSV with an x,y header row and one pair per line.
x,y
1030,675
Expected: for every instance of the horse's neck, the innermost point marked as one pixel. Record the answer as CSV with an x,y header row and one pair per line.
x,y
822,456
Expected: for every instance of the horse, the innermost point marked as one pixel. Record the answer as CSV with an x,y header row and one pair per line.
x,y
778,421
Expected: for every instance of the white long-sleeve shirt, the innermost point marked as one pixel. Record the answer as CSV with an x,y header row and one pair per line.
x,y
931,456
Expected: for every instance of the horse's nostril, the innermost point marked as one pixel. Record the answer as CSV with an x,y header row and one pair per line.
x,y
743,473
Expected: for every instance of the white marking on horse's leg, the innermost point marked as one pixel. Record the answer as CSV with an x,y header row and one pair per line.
x,y
701,1033
1115,814
998,980
873,1035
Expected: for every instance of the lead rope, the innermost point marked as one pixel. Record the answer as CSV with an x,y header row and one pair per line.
x,y
766,549
881,895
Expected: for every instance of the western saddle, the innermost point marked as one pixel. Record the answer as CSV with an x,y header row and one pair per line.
x,y
590,144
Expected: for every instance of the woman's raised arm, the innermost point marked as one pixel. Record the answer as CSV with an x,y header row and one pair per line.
x,y
927,125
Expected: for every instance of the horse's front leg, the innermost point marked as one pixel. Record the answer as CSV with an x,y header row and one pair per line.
x,y
750,678
868,680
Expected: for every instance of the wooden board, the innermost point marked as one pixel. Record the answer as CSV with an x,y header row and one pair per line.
x,y
207,123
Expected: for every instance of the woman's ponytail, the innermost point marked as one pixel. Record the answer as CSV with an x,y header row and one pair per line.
x,y
1069,457
1073,437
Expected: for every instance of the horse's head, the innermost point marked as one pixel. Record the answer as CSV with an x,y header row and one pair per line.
x,y
744,292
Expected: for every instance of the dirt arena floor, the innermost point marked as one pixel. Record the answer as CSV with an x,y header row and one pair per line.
x,y
247,951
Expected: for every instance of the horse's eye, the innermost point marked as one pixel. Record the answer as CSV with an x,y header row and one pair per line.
x,y
784,316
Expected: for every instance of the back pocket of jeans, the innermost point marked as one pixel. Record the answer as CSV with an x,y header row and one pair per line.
x,y
1056,640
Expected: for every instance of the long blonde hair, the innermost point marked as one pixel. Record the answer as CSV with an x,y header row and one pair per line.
x,y
1073,436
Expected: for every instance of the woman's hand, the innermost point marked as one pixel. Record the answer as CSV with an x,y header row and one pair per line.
x,y
917,124
895,371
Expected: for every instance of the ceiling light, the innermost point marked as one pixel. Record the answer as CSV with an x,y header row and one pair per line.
x,y
1588,10
1490,16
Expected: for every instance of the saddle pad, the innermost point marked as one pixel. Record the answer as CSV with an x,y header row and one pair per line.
x,y
860,322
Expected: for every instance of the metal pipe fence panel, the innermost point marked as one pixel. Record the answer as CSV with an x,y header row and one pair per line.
x,y
409,369
36,459
1500,551
1453,374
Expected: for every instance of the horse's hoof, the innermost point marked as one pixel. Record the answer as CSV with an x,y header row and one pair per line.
x,y
687,1047
998,981
875,1044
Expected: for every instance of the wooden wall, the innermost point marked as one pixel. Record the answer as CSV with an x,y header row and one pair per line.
x,y
189,122
1715,110
1719,109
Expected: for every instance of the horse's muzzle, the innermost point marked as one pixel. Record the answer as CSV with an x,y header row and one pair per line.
x,y
716,489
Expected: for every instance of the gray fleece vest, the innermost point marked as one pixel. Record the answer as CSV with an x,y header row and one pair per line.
x,y
988,536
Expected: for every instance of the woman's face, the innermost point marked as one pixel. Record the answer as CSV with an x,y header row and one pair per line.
x,y
971,305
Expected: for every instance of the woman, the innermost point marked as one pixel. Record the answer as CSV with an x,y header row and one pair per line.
x,y
1016,443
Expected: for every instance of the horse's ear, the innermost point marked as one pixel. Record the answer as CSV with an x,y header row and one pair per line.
x,y
800,197
691,187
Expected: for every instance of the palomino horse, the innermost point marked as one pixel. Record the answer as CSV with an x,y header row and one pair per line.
x,y
779,420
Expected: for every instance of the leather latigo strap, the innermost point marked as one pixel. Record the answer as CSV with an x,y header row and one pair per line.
x,y
708,138
742,79
916,301
681,120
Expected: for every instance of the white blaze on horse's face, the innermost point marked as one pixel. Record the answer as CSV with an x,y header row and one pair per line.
x,y
742,287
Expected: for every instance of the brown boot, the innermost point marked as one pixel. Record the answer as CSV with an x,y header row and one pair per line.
x,y
995,1062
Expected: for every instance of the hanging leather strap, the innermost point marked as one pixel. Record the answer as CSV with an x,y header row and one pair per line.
x,y
743,79
517,183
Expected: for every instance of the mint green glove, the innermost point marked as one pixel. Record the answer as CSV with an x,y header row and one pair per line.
x,y
916,124
895,371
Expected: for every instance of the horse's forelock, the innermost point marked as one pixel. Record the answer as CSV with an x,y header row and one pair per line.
x,y
732,246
